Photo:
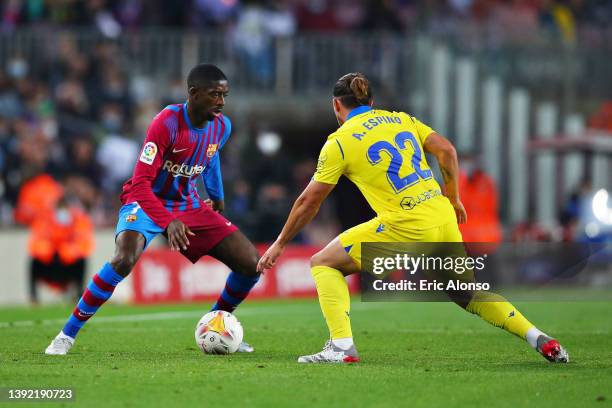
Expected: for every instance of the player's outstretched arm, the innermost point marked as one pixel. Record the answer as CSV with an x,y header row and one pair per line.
x,y
304,209
445,153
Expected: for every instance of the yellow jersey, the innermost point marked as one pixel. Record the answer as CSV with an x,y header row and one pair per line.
x,y
382,153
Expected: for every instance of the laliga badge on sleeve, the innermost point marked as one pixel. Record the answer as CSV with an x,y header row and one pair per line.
x,y
149,151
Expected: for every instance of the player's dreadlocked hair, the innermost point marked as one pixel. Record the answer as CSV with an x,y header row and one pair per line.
x,y
204,74
353,90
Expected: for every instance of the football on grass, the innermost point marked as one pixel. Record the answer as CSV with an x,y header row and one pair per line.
x,y
218,332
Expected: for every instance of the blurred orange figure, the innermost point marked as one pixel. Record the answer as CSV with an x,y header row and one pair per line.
x,y
37,196
64,231
61,240
479,196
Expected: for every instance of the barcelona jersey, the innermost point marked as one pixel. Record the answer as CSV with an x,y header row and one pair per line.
x,y
173,156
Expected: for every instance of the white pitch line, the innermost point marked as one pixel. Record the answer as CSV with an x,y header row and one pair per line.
x,y
281,308
107,319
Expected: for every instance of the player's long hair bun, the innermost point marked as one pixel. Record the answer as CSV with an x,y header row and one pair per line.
x,y
360,87
353,90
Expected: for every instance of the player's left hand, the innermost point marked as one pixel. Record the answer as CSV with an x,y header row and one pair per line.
x,y
459,211
177,235
268,260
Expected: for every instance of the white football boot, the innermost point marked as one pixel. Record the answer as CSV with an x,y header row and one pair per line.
x,y
332,354
60,345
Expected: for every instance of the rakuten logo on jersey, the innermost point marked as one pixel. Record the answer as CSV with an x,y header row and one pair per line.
x,y
182,170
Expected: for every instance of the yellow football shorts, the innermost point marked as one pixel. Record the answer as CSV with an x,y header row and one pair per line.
x,y
377,230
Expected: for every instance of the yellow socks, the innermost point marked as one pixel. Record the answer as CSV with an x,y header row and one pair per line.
x,y
334,299
335,304
496,310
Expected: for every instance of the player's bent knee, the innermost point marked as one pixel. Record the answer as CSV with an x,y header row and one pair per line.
x,y
248,264
123,263
250,271
317,259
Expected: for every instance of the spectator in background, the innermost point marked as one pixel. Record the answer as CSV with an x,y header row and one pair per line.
x,y
81,173
257,27
60,242
575,209
114,91
479,195
576,201
240,207
316,15
26,166
129,13
349,14
72,99
116,152
99,14
82,160
382,16
11,102
557,20
272,205
602,119
516,20
214,13
37,197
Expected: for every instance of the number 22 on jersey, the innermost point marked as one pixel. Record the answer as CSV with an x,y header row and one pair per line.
x,y
397,159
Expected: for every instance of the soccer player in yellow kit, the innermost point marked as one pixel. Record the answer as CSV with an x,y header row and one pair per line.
x,y
383,153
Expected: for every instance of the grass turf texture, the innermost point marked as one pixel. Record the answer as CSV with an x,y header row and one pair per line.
x,y
413,354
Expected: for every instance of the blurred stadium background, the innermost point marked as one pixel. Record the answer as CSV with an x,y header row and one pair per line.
x,y
522,87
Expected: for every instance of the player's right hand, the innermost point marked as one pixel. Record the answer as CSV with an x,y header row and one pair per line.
x,y
177,235
268,259
459,211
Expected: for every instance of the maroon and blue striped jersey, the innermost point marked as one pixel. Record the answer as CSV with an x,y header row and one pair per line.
x,y
173,156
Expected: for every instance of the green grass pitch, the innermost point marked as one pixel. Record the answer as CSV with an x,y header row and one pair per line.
x,y
413,354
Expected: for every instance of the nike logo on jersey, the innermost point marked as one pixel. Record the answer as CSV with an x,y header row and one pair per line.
x,y
228,223
179,150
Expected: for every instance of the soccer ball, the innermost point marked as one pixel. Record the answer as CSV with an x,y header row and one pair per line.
x,y
218,332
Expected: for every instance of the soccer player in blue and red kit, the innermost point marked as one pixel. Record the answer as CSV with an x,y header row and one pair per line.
x,y
182,144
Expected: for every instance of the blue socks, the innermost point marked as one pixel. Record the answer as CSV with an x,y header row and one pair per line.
x,y
102,286
98,291
237,288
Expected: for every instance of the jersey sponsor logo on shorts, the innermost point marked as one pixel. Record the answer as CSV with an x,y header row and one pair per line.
x,y
408,203
211,150
149,151
182,169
